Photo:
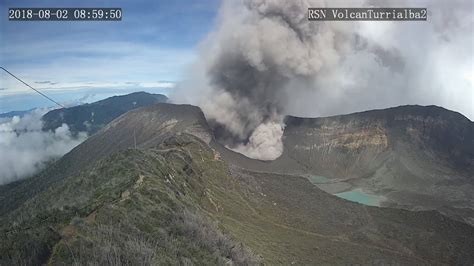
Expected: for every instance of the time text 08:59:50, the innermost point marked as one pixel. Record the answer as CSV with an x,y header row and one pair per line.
x,y
69,14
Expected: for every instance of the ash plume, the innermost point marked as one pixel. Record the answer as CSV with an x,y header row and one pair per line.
x,y
265,60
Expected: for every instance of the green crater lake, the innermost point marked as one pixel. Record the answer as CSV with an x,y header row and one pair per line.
x,y
357,195
334,187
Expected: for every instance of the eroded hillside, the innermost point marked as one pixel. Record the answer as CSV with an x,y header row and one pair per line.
x,y
413,157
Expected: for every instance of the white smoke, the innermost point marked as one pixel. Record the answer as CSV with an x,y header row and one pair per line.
x,y
265,143
25,148
265,60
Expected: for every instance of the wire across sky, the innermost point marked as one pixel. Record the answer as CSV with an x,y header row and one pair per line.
x,y
39,92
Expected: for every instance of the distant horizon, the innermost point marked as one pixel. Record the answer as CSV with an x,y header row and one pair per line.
x,y
71,60
96,98
156,44
28,101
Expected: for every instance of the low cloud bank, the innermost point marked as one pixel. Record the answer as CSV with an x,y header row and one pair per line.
x,y
25,148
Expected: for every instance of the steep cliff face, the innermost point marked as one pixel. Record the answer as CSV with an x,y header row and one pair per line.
x,y
417,157
340,148
414,157
353,145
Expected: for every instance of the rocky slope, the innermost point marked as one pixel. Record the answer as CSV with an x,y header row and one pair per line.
x,y
153,187
429,133
413,156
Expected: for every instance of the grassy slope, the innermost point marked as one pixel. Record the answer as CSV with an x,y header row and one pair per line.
x,y
165,205
134,207
287,220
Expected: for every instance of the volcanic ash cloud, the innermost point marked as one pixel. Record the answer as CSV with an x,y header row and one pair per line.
x,y
265,143
250,60
265,60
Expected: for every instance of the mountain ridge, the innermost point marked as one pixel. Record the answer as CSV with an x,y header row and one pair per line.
x,y
163,161
91,117
407,107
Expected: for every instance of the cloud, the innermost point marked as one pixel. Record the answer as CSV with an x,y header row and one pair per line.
x,y
265,60
99,65
69,97
47,82
25,148
56,87
85,98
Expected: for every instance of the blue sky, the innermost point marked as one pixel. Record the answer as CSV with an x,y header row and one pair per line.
x,y
71,61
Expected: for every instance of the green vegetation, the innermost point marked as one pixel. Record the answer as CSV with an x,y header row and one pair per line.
x,y
175,201
135,208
